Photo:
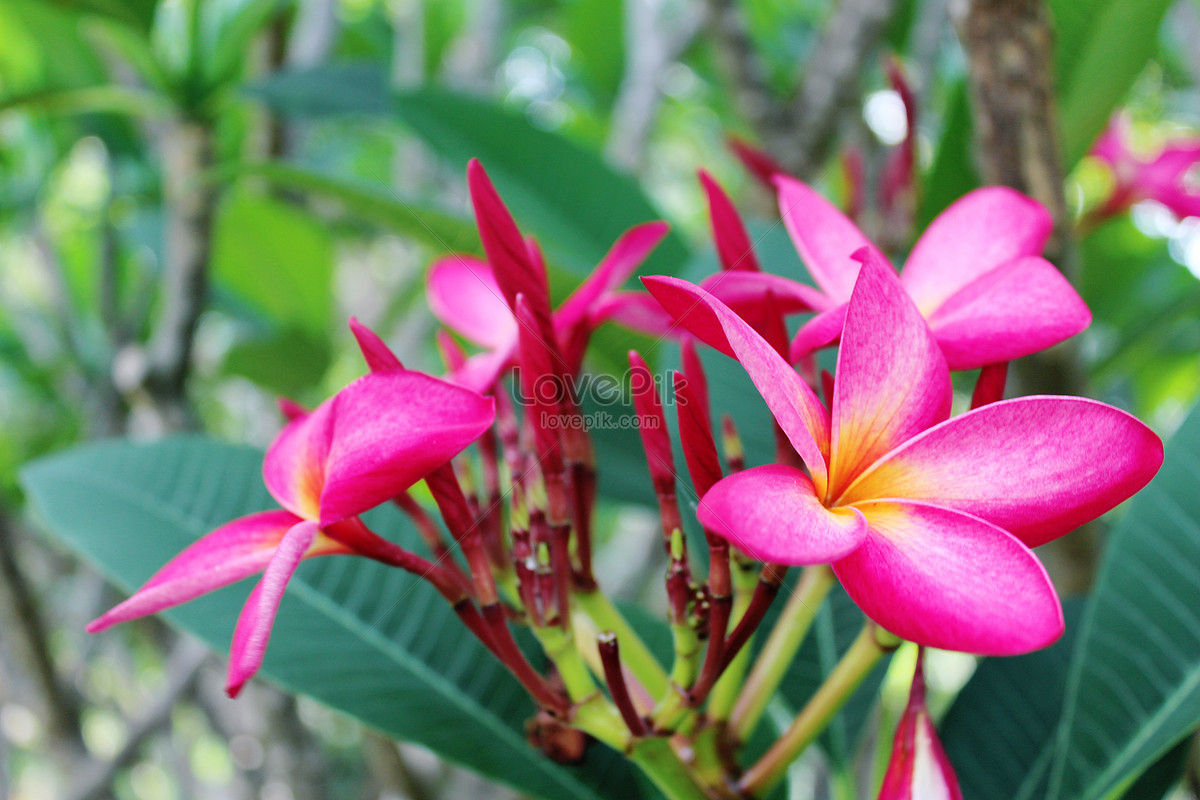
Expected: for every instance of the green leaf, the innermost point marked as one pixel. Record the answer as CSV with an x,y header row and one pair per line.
x,y
277,258
371,641
287,362
1134,687
409,218
136,14
1000,731
565,195
1101,48
953,173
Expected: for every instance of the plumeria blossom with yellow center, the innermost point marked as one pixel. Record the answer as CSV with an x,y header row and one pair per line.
x,y
358,449
928,520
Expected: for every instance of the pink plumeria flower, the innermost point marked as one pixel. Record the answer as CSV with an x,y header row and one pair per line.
x,y
975,275
1162,178
466,296
360,448
927,521
918,769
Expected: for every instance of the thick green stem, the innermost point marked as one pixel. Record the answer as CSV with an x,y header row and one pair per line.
x,y
663,766
780,650
863,655
642,663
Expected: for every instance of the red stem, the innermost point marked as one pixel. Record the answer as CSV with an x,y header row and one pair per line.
x,y
508,652
769,581
720,606
610,657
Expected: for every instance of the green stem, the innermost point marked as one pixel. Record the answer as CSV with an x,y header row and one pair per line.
x,y
780,650
868,648
663,766
591,711
725,691
642,663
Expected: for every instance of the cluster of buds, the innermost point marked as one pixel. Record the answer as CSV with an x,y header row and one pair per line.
x,y
919,515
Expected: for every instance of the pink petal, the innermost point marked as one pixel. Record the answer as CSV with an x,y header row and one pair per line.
x,y
945,579
758,162
1019,308
734,249
634,246
290,409
695,433
376,353
652,425
294,468
797,410
637,311
820,332
979,232
825,237
480,372
745,292
1170,166
463,294
891,381
390,430
258,615
1036,466
1111,147
772,514
234,551
517,263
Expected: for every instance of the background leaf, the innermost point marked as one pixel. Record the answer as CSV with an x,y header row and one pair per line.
x,y
277,258
1134,688
1101,48
568,197
1017,701
371,641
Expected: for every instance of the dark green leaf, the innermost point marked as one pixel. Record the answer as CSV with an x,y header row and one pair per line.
x,y
277,258
437,229
1000,730
1134,687
1101,47
953,173
567,196
288,362
371,641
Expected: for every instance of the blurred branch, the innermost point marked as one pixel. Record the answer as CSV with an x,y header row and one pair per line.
x,y
389,768
653,41
24,627
1010,50
471,59
800,133
94,780
187,150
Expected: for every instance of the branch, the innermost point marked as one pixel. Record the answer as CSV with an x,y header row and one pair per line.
x,y
800,134
24,626
652,43
190,207
95,779
1010,50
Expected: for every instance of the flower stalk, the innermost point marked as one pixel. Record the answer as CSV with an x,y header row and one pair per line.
x,y
872,644
780,649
